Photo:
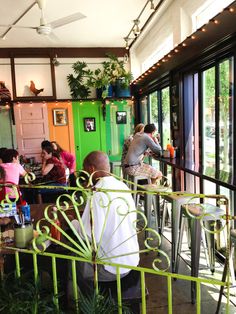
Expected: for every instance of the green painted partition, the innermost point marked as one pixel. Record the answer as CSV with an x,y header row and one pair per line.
x,y
117,132
86,139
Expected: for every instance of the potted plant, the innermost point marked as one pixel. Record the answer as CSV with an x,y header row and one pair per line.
x,y
78,83
118,75
101,81
112,80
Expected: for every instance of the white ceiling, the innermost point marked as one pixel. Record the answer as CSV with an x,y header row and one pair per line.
x,y
105,25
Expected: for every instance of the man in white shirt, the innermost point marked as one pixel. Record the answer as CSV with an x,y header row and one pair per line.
x,y
114,222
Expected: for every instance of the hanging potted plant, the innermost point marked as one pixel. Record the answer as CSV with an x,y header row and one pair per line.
x,y
113,80
78,83
119,77
100,80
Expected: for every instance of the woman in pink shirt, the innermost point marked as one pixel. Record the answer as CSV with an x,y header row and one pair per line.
x,y
67,158
13,169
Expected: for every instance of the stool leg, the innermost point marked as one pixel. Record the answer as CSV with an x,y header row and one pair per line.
x,y
164,212
175,216
204,243
211,244
156,200
148,210
195,254
181,231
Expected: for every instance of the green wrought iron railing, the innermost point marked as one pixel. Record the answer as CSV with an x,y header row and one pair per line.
x,y
85,249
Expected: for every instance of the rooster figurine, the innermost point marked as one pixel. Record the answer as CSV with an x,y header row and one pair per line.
x,y
34,90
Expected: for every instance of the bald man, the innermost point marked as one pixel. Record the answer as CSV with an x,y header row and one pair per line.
x,y
115,237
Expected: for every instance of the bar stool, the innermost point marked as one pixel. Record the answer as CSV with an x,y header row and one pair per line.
x,y
228,264
176,199
133,187
114,165
153,199
194,213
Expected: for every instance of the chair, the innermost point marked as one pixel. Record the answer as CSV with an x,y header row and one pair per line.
x,y
194,213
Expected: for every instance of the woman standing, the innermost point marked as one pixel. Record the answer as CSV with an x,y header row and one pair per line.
x,y
68,160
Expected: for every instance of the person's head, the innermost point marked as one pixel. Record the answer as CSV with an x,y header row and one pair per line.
x,y
97,161
10,155
57,147
150,128
139,128
46,143
2,151
47,152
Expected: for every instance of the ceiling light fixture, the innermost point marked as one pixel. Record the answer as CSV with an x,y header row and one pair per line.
x,y
136,29
55,62
152,7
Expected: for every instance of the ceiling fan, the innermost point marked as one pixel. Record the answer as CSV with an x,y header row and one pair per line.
x,y
44,28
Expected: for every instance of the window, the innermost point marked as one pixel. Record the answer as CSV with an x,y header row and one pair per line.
x,y
225,114
209,127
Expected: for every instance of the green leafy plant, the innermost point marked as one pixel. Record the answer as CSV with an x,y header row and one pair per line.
x,y
78,83
115,69
99,303
22,295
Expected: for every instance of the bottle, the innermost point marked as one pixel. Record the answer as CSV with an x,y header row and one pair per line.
x,y
172,152
168,146
55,233
25,208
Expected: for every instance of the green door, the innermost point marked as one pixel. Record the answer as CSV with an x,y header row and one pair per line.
x,y
119,125
89,129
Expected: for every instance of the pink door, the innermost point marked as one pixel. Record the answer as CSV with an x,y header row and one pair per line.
x,y
31,128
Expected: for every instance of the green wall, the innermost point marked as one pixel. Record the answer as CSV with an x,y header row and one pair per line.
x,y
86,142
109,135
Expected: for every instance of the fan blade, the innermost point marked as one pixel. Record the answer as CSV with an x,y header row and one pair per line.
x,y
18,26
53,37
67,19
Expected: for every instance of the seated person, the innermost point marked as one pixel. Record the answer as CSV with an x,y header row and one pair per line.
x,y
134,165
53,170
12,168
119,237
138,129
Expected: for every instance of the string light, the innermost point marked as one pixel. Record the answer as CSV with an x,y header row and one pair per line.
x,y
183,44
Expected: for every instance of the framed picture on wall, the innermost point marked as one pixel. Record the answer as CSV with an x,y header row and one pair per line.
x,y
89,124
121,117
60,117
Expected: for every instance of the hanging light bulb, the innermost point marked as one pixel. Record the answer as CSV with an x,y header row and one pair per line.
x,y
152,7
136,28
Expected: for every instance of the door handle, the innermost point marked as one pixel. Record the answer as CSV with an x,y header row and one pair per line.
x,y
77,147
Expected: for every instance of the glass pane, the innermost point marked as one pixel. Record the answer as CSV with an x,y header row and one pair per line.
x,y
226,113
209,188
144,110
165,101
154,109
209,118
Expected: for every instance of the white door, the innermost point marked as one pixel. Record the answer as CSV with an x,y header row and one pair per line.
x,y
31,128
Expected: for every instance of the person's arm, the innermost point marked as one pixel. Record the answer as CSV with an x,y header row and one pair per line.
x,y
154,146
46,168
69,161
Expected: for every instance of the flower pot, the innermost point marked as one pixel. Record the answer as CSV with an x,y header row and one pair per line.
x,y
110,92
121,91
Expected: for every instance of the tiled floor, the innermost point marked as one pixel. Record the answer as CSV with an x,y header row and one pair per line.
x,y
157,285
